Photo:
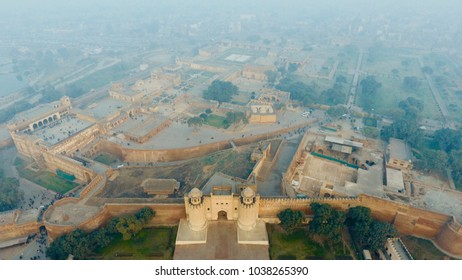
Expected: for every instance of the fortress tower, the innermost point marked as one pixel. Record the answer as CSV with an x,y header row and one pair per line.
x,y
248,209
196,210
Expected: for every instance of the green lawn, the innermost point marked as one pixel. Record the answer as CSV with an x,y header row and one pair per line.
x,y
105,158
47,180
149,244
422,249
299,246
216,121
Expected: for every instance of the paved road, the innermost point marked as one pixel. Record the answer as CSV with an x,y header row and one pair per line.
x,y
354,84
437,96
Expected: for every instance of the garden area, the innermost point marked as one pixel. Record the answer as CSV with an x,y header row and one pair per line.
x,y
43,178
298,245
216,121
156,243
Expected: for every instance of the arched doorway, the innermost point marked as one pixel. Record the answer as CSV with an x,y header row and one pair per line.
x,y
222,216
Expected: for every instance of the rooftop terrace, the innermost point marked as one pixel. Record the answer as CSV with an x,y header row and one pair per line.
x,y
61,129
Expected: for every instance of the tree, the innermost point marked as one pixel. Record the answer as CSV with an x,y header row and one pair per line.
x,y
195,122
75,243
299,91
220,91
10,194
369,89
236,117
448,139
327,221
208,111
412,107
291,219
129,226
378,234
337,111
366,231
145,214
358,222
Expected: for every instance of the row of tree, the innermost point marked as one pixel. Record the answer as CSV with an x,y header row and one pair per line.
x,y
329,223
83,245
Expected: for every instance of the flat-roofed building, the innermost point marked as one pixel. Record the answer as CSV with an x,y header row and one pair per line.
x,y
262,113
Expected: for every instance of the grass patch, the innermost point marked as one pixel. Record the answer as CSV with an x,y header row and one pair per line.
x,y
149,244
45,179
422,249
217,121
106,158
299,246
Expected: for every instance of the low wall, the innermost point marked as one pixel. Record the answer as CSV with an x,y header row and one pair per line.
x,y
168,155
166,214
12,231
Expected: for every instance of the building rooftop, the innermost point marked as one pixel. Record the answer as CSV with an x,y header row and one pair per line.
x,y
220,179
261,109
34,113
399,149
342,148
398,246
104,108
61,129
395,179
341,141
141,124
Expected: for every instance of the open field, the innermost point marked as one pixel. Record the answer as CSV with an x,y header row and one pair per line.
x,y
390,70
149,244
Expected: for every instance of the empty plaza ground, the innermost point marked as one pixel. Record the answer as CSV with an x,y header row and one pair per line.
x,y
179,134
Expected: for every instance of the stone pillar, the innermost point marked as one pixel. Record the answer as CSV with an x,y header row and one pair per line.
x,y
196,210
248,209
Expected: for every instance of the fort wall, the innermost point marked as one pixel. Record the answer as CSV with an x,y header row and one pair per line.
x,y
167,155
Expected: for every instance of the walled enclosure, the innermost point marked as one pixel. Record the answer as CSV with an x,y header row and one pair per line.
x,y
166,155
442,229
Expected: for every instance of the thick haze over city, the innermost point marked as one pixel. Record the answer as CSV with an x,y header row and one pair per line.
x,y
230,121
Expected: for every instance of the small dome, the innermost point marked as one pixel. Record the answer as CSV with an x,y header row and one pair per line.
x,y
195,193
247,193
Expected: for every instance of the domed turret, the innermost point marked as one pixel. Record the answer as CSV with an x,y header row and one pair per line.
x,y
195,196
247,196
248,210
196,210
